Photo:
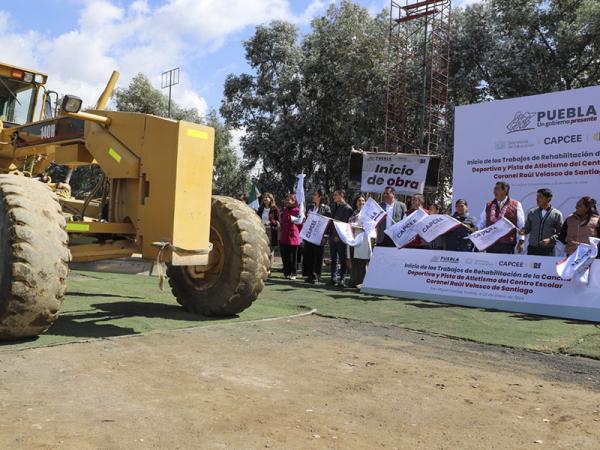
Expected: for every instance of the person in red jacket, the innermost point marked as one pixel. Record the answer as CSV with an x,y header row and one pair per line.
x,y
289,237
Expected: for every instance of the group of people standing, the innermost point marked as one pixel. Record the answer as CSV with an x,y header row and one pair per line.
x,y
283,228
543,225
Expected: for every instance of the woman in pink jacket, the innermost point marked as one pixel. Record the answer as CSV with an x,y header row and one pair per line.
x,y
289,237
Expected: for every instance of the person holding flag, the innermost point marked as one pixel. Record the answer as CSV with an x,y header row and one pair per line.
x,y
312,258
395,212
504,207
361,254
340,211
580,226
456,240
301,199
289,238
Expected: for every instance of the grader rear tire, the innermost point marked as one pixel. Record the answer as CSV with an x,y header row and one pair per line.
x,y
238,266
33,257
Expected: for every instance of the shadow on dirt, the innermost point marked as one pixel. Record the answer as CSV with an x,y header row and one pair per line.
x,y
98,323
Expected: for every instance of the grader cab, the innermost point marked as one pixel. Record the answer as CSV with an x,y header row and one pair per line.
x,y
153,199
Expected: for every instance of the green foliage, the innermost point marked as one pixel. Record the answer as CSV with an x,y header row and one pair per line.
x,y
140,96
311,99
344,73
511,48
228,176
267,105
308,103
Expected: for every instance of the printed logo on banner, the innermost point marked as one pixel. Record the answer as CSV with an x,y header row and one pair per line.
x,y
522,121
445,259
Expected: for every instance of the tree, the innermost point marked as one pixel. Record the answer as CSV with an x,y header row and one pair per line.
x,y
228,176
310,102
310,99
344,73
511,48
267,106
140,96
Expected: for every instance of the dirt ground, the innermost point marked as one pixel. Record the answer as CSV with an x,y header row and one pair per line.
x,y
308,382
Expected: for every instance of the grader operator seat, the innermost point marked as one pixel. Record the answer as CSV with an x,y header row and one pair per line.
x,y
153,198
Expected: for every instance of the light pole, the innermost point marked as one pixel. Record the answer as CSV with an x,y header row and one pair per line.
x,y
169,79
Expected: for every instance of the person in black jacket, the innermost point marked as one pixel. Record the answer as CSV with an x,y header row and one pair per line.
x,y
269,216
340,211
312,262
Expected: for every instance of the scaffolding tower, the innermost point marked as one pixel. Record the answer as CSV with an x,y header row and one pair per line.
x,y
417,91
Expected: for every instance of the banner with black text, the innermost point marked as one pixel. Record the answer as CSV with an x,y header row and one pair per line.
x,y
405,173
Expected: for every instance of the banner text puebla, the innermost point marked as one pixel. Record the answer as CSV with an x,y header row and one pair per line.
x,y
539,141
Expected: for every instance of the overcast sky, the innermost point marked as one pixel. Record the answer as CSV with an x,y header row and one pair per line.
x,y
79,42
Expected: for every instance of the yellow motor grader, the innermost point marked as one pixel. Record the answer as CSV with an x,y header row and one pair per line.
x,y
154,198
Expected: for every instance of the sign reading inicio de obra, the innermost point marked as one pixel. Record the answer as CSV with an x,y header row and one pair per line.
x,y
405,173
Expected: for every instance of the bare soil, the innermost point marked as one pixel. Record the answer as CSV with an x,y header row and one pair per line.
x,y
303,383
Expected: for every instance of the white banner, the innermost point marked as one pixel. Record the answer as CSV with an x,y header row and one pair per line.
x,y
577,265
403,232
314,228
346,233
489,236
405,173
433,226
540,141
521,283
371,214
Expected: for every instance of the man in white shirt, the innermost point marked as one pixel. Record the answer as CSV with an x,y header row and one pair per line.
x,y
510,209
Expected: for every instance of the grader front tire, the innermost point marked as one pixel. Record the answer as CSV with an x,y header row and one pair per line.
x,y
238,266
33,257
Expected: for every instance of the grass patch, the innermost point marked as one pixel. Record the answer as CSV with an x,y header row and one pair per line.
x,y
481,325
103,305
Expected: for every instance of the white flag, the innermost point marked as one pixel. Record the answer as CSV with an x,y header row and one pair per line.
x,y
371,214
301,197
578,264
434,225
345,232
314,228
403,232
490,235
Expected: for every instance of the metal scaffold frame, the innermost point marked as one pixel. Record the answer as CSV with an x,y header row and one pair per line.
x,y
417,106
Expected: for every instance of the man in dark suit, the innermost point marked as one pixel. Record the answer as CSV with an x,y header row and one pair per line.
x,y
395,211
340,211
312,258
